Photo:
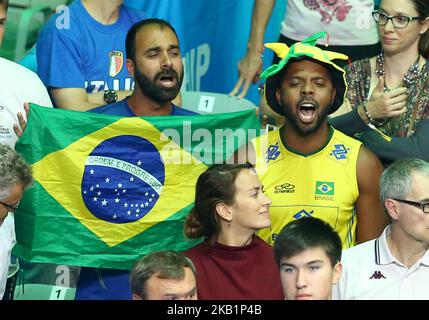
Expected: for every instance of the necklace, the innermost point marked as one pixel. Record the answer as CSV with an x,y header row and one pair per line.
x,y
410,76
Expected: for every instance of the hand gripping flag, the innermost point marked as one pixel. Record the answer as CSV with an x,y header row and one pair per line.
x,y
110,189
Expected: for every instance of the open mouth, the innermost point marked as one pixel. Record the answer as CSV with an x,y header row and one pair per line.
x,y
307,111
167,79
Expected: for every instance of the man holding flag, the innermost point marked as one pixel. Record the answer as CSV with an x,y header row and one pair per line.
x,y
154,60
112,187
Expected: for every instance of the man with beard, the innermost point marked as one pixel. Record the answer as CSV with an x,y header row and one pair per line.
x,y
154,59
307,167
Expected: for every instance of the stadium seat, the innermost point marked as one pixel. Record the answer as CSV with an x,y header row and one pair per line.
x,y
211,102
24,21
37,281
13,267
36,291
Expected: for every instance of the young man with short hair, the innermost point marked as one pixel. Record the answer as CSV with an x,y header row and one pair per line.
x,y
308,252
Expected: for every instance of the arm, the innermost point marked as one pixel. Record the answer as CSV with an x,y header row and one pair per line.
x,y
381,105
62,58
250,66
416,146
349,123
78,99
59,65
349,118
371,218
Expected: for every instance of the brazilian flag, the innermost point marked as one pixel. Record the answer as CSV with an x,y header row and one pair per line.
x,y
110,189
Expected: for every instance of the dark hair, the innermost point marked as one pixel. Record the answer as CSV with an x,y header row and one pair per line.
x,y
4,4
215,185
425,47
422,8
165,264
306,233
130,43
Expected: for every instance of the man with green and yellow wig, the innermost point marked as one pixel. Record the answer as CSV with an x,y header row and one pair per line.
x,y
308,168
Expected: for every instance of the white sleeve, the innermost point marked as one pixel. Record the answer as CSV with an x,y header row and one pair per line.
x,y
7,241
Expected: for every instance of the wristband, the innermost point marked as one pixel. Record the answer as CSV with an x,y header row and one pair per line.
x,y
370,119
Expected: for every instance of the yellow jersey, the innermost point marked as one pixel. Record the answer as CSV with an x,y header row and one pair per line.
x,y
322,184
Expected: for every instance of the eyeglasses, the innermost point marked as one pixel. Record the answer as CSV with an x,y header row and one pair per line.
x,y
10,207
398,22
422,205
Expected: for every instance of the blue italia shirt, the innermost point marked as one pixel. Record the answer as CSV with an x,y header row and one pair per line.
x,y
76,51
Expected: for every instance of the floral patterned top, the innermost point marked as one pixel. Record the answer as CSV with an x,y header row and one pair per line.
x,y
358,76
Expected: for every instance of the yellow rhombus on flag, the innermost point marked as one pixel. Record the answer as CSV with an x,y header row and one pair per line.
x,y
110,189
73,159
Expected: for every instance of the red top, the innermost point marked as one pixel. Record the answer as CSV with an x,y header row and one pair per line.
x,y
236,273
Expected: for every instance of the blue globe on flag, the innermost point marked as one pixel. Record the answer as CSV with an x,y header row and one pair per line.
x,y
123,179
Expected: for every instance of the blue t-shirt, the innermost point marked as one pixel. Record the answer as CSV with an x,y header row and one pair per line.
x,y
110,284
85,53
122,108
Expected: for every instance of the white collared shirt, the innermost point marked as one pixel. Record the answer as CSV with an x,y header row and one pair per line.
x,y
18,85
7,241
371,272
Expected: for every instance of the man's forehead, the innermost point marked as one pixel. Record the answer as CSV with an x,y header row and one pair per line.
x,y
155,34
419,182
301,66
5,193
307,256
